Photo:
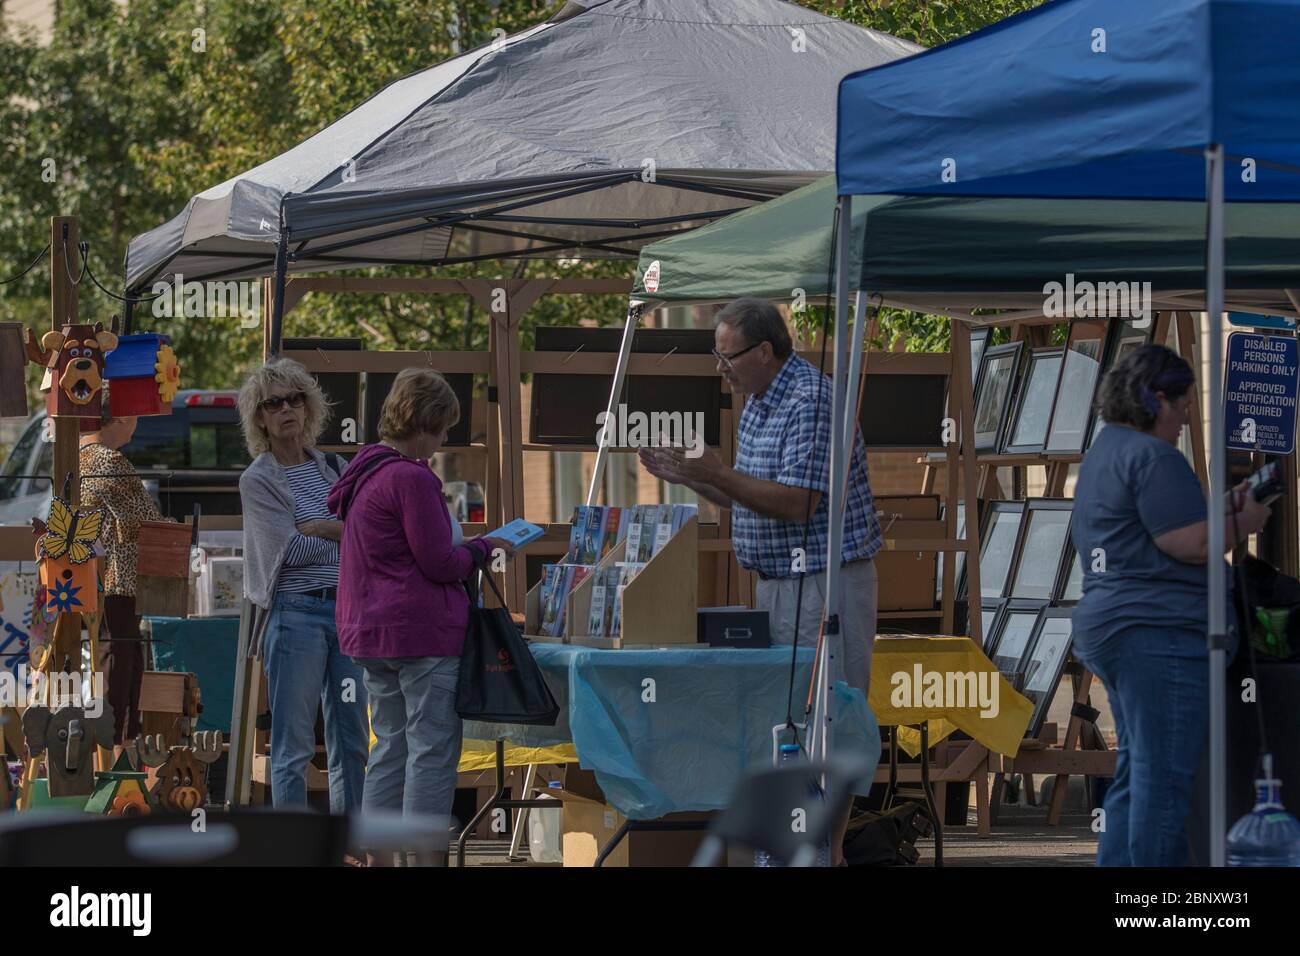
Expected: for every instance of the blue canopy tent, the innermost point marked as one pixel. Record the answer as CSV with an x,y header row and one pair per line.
x,y
1093,99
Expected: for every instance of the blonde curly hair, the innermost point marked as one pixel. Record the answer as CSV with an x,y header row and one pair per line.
x,y
288,374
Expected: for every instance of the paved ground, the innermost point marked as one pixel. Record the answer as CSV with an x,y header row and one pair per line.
x,y
1020,838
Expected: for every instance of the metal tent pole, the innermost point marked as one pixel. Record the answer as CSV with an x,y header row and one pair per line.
x,y
820,728
611,407
1216,634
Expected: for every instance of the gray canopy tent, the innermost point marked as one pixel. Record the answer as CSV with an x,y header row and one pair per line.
x,y
614,123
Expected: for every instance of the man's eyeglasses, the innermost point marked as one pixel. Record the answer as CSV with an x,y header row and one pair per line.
x,y
277,402
728,359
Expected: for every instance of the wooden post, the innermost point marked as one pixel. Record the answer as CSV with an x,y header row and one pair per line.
x,y
64,236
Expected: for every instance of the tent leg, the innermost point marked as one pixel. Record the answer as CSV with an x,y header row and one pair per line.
x,y
277,300
611,407
820,726
1216,633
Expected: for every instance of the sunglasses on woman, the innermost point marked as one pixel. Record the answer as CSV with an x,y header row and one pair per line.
x,y
277,402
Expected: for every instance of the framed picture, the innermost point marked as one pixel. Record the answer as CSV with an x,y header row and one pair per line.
x,y
1125,336
990,611
1049,648
1009,644
1076,393
1043,543
959,560
998,370
1070,588
1027,433
998,547
979,341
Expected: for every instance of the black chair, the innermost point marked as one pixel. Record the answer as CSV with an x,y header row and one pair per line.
x,y
244,838
782,811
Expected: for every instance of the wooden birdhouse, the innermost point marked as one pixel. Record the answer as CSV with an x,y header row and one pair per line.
x,y
144,375
66,554
13,361
74,363
120,792
163,568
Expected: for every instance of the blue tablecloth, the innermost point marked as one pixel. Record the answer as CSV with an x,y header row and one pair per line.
x,y
206,646
676,730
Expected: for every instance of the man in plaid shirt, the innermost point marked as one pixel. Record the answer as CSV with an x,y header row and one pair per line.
x,y
783,451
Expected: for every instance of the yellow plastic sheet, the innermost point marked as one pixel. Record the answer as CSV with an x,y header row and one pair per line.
x,y
482,754
901,669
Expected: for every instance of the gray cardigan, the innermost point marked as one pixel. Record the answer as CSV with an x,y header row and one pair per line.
x,y
269,529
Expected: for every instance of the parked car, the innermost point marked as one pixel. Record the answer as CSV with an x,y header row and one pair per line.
x,y
195,454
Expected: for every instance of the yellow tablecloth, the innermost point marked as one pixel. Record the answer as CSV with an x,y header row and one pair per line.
x,y
906,690
482,755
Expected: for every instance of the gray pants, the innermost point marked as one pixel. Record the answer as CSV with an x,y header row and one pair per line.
x,y
417,731
851,660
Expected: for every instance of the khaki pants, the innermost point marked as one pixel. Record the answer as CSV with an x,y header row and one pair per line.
x,y
851,660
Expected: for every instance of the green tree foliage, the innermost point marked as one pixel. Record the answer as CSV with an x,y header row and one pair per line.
x,y
131,109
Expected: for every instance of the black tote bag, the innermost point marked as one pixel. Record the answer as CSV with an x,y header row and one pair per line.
x,y
500,681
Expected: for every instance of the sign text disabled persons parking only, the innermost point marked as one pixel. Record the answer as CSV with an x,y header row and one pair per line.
x,y
1260,394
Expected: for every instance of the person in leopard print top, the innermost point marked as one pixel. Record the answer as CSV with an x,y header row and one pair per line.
x,y
122,496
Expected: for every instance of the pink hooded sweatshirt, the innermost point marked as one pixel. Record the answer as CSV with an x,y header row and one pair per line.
x,y
400,577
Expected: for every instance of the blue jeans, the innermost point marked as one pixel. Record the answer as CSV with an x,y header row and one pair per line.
x,y
414,763
1158,680
304,668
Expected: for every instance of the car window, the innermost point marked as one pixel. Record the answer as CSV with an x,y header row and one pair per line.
x,y
160,442
17,463
217,445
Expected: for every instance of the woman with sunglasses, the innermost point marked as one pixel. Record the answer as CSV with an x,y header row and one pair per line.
x,y
291,571
1139,527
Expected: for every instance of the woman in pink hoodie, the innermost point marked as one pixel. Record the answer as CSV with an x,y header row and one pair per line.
x,y
402,606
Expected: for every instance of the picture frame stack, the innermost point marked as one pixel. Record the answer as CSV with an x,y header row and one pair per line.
x,y
1029,576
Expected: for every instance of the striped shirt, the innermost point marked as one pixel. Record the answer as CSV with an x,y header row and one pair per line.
x,y
310,563
784,436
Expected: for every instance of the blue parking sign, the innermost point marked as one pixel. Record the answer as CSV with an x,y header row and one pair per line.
x,y
1260,392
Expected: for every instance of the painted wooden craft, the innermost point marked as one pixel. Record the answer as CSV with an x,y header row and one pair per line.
x,y
120,792
74,358
66,551
70,734
182,772
143,375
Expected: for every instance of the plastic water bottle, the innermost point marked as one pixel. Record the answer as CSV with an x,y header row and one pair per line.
x,y
1268,835
789,754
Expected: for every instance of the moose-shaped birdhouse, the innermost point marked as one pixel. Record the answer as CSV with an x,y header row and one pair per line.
x,y
74,360
143,375
182,772
66,554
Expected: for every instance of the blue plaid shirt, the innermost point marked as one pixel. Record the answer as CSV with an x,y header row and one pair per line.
x,y
783,438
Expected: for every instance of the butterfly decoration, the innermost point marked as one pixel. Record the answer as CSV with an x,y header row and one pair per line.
x,y
70,533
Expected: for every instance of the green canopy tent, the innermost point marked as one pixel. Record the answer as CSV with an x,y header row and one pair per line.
x,y
948,255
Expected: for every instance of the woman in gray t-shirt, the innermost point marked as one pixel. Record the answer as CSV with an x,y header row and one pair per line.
x,y
1140,529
